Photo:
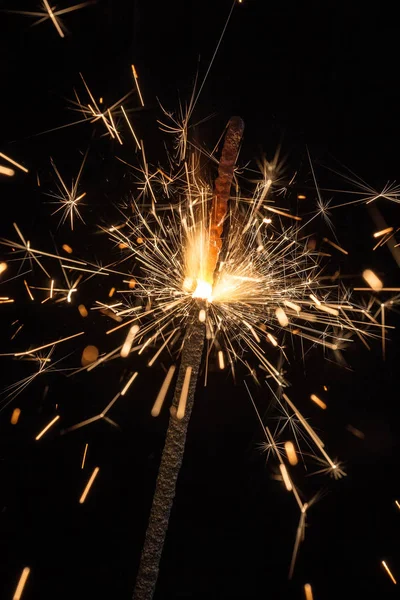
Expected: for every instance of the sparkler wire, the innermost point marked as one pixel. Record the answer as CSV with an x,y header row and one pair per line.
x,y
170,465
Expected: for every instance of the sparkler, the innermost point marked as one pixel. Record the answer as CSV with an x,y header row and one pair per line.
x,y
172,456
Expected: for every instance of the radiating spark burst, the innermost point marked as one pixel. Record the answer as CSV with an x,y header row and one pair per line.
x,y
51,12
44,365
269,285
66,198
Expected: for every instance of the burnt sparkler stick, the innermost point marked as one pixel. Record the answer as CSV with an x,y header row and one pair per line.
x,y
174,447
222,190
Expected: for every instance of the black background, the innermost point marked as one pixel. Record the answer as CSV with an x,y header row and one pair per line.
x,y
304,73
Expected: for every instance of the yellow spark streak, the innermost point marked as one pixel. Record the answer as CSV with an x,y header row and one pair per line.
x,y
328,309
318,401
128,385
21,583
282,317
84,456
51,288
315,299
272,339
282,213
15,416
314,339
285,477
135,76
3,267
130,127
89,485
308,591
39,435
291,453
70,337
305,424
202,315
180,413
113,126
373,281
383,331
13,162
292,305
6,171
6,300
221,360
126,348
335,245
53,18
111,292
67,248
377,233
157,354
389,572
28,290
155,411
70,294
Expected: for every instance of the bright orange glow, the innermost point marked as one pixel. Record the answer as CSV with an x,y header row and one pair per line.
x,y
15,416
89,485
21,583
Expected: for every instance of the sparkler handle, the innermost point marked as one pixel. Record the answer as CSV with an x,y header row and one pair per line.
x,y
222,190
170,465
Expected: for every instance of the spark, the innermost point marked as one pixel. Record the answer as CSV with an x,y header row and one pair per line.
x,y
28,290
84,456
89,485
21,583
39,435
328,241
282,318
285,477
6,171
126,348
52,14
135,76
180,413
83,310
155,411
356,432
68,198
13,162
318,401
15,416
373,281
383,232
383,331
389,572
69,337
129,383
89,355
291,453
3,267
308,592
